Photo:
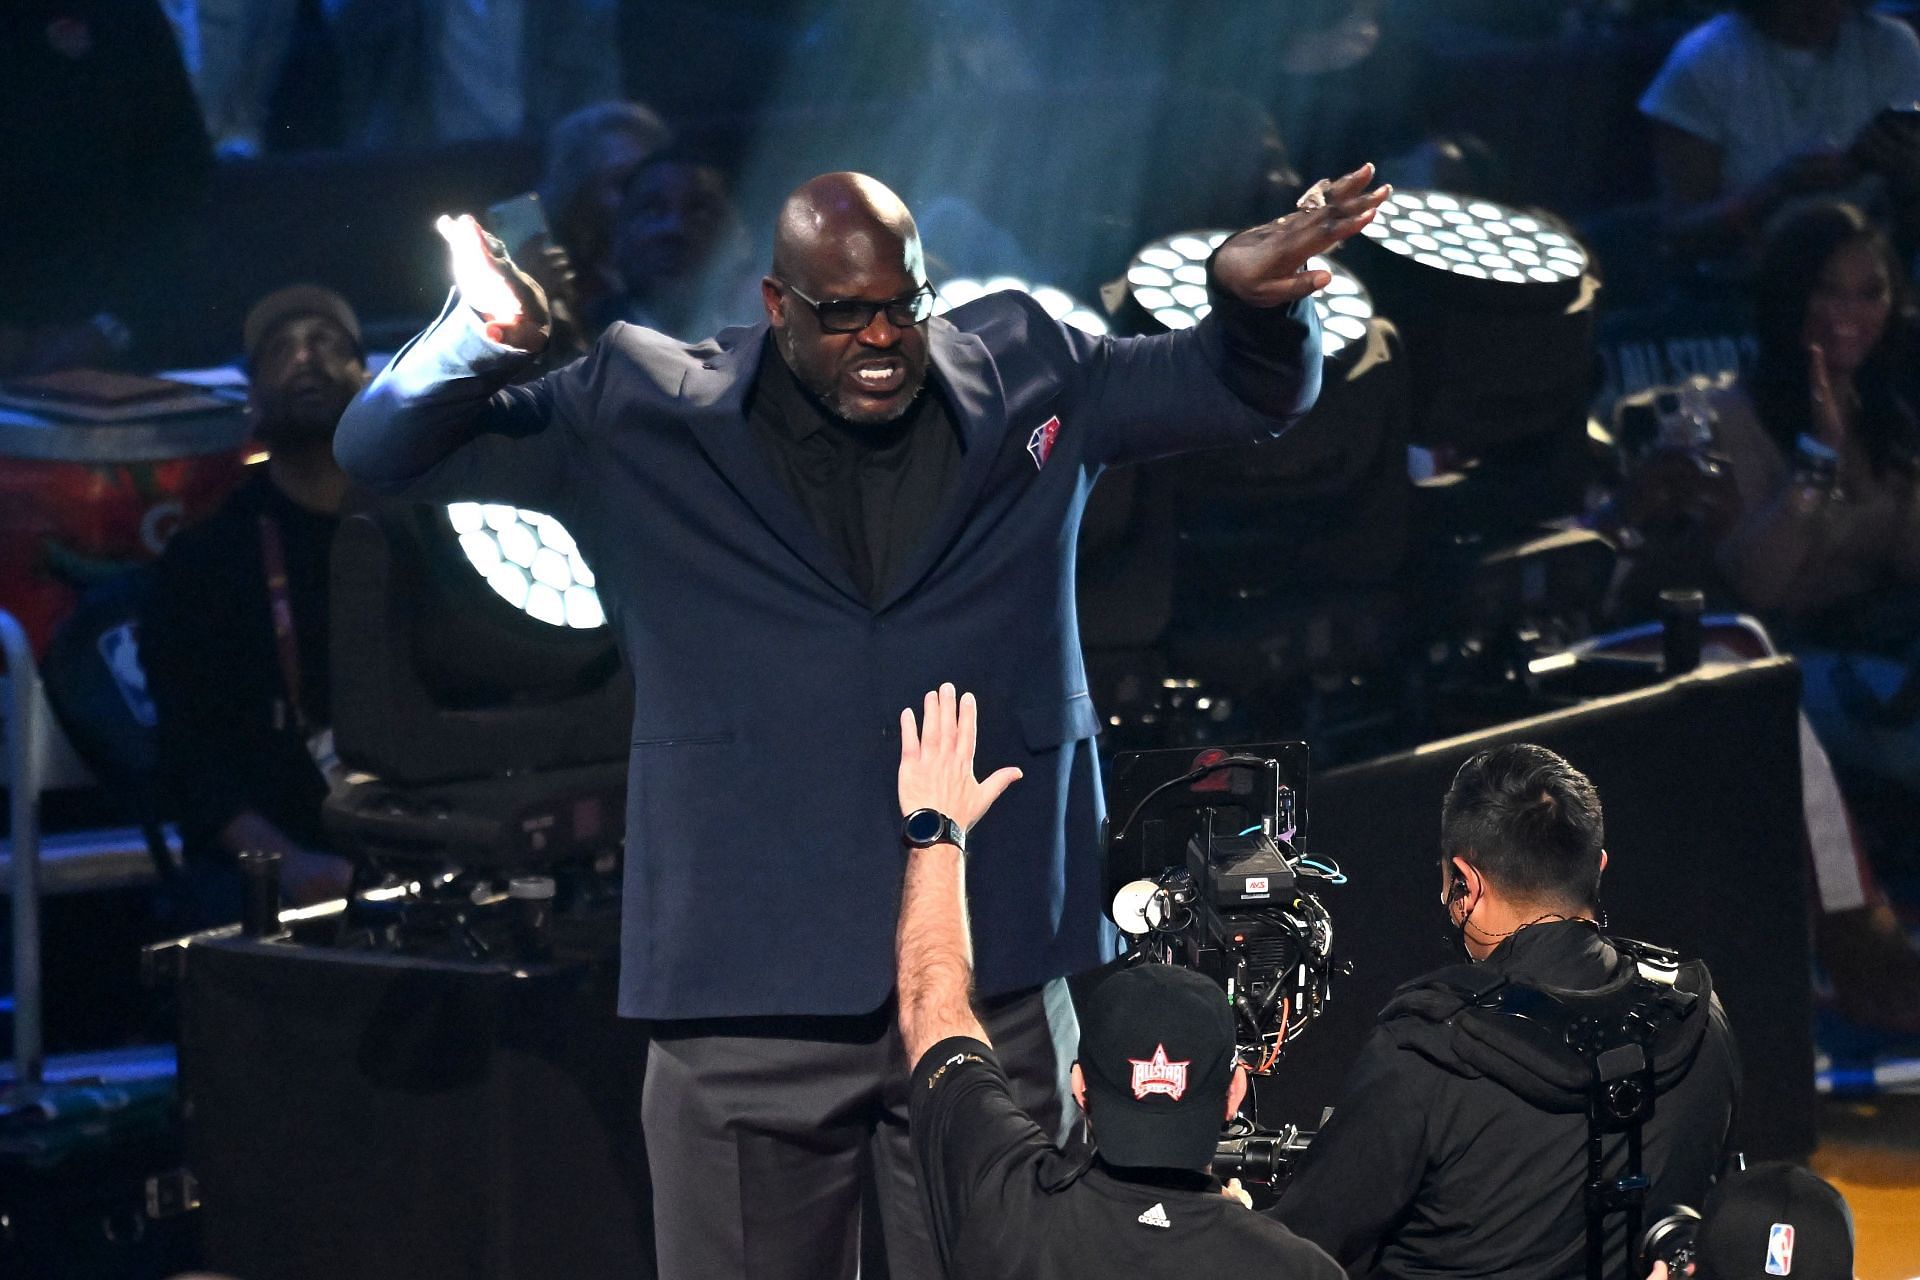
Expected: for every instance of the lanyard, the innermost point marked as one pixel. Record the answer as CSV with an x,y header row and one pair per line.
x,y
273,552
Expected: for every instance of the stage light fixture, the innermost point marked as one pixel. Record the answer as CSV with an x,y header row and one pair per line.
x,y
530,561
1497,306
1058,303
1168,280
1477,239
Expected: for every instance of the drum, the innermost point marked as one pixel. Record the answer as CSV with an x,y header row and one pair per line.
x,y
79,501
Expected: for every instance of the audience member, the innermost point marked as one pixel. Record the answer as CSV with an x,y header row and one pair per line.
x,y
591,156
1823,445
235,51
1452,1152
103,163
234,638
1782,98
685,262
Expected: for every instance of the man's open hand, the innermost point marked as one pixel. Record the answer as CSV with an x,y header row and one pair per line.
x,y
1264,265
510,302
936,760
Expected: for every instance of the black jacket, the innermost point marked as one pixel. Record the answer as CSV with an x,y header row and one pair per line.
x,y
228,740
1429,1167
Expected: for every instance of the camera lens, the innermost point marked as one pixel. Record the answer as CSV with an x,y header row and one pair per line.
x,y
1670,1240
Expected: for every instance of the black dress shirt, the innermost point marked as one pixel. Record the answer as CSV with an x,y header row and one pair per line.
x,y
869,490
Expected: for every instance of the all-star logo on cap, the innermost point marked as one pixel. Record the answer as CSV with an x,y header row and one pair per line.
x,y
1157,1075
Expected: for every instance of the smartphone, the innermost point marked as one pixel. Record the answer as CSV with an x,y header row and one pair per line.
x,y
515,221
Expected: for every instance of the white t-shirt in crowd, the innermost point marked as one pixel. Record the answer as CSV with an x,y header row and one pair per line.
x,y
1762,102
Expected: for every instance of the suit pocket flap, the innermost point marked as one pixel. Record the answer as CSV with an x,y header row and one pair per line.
x,y
1045,725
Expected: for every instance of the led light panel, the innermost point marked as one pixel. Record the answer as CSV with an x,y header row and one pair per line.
x,y
1055,302
530,561
1478,239
1168,278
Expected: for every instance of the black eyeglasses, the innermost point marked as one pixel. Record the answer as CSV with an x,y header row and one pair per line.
x,y
851,315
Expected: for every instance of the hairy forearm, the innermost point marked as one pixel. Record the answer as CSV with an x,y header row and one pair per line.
x,y
934,954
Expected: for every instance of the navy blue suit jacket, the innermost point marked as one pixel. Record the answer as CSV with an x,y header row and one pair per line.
x,y
761,672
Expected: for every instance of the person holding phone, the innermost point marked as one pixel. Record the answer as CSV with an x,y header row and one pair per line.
x,y
798,526
1782,99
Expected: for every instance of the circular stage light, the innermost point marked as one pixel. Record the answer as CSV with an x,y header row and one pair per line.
x,y
530,561
1496,304
1168,280
1057,303
1478,239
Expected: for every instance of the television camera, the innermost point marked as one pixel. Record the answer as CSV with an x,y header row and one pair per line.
x,y
1207,870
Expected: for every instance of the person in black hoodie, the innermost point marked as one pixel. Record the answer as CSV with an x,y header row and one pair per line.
x,y
1460,1144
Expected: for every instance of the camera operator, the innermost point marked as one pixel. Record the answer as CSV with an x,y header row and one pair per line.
x,y
1438,1161
1156,1076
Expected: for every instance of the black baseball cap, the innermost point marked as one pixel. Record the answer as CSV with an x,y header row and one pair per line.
x,y
1157,1051
1774,1219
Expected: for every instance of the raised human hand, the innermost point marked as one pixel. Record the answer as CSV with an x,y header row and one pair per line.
x,y
510,303
1829,424
936,760
1265,265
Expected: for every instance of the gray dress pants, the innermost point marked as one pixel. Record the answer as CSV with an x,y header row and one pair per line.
x,y
765,1136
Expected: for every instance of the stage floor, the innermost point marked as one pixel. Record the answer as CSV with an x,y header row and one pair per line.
x,y
1870,1149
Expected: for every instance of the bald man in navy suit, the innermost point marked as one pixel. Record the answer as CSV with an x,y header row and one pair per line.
x,y
798,526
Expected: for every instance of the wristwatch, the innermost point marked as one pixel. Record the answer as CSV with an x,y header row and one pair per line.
x,y
924,828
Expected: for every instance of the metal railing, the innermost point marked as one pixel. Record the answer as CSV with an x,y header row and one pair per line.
x,y
24,770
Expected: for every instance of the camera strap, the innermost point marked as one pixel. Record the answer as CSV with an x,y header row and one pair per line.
x,y
273,556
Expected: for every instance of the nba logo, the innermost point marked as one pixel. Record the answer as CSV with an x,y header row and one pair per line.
x,y
1780,1249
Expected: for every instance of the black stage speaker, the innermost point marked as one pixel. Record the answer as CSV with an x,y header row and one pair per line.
x,y
1700,780
375,1116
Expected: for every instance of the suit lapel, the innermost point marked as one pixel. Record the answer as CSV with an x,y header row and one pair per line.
x,y
713,401
979,408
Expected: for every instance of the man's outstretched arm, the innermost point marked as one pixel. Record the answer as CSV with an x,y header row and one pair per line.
x,y
1253,365
933,949
440,420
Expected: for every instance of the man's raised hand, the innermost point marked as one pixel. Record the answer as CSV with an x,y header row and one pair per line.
x,y
511,303
936,760
1265,265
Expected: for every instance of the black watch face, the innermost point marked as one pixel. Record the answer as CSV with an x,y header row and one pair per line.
x,y
923,826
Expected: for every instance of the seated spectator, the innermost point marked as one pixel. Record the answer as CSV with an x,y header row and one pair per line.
x,y
1157,1076
591,155
682,253
234,638
1823,443
1783,98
